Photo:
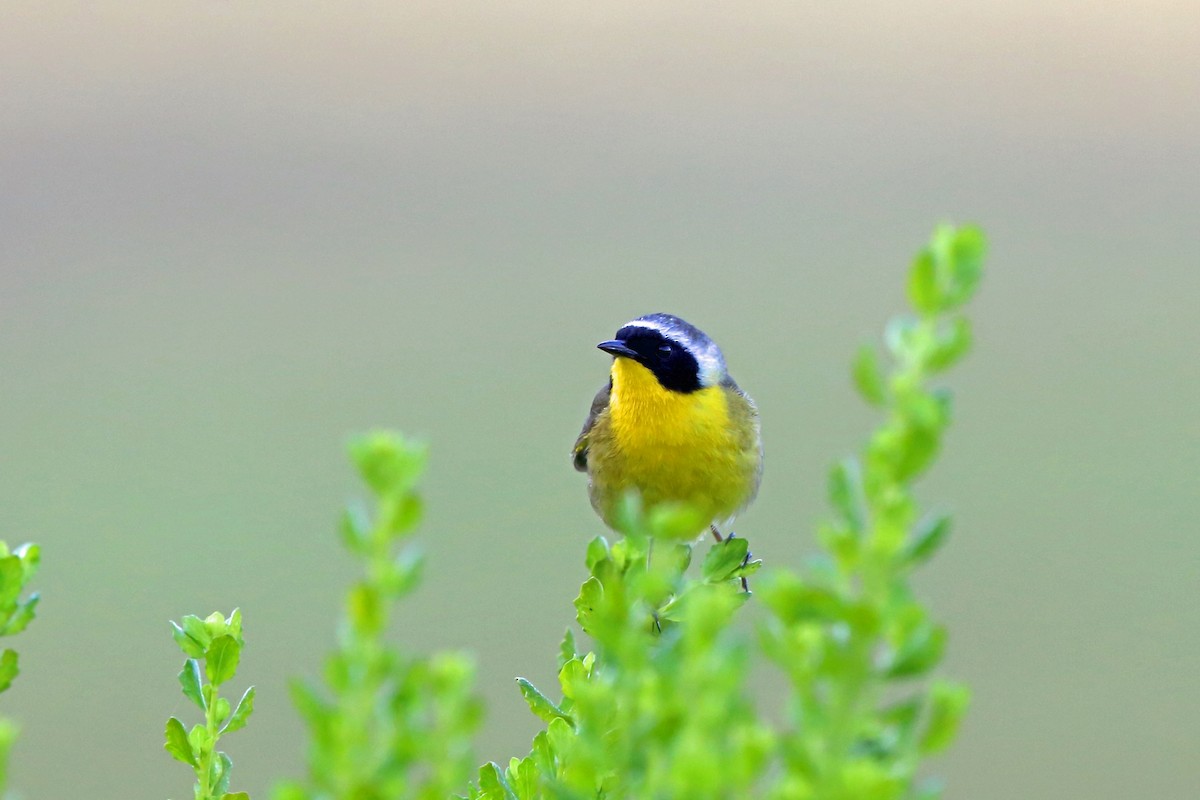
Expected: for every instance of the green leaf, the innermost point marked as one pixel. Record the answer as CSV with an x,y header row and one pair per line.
x,y
903,715
491,781
591,594
724,558
221,767
923,290
8,669
241,714
216,625
627,517
566,650
388,464
288,790
12,580
189,679
572,677
235,625
340,671
523,777
366,609
868,377
842,542
221,659
355,529
845,493
673,558
409,567
929,536
900,334
191,636
967,250
542,753
747,569
597,551
23,616
792,600
235,796
31,556
8,736
221,710
200,740
539,704
916,447
450,671
950,345
675,521
921,652
177,743
948,703
868,779
402,515
559,734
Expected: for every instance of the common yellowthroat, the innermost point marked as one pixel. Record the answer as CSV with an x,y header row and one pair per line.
x,y
672,425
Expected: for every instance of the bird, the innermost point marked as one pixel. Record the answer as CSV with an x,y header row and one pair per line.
x,y
672,425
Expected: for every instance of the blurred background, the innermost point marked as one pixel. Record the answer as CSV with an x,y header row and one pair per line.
x,y
232,234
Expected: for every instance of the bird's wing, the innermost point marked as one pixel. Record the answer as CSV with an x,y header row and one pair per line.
x,y
745,412
599,403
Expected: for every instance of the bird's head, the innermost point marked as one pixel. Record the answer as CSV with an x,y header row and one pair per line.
x,y
679,355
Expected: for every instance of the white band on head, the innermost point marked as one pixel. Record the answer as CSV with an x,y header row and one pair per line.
x,y
705,351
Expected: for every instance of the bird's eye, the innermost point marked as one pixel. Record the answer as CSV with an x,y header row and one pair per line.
x,y
665,350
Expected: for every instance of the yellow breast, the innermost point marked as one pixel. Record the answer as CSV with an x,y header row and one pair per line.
x,y
670,447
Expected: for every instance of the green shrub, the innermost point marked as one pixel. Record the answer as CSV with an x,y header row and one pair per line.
x,y
659,707
658,704
217,642
653,696
386,724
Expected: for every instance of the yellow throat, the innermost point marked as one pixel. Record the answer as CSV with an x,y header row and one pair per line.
x,y
675,447
643,412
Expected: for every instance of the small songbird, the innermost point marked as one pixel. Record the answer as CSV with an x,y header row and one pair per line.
x,y
672,425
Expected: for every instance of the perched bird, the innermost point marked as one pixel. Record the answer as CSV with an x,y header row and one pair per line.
x,y
672,425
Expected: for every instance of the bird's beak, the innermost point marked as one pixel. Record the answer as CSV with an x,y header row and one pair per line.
x,y
618,348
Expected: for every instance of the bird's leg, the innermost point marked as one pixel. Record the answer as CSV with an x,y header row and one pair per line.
x,y
716,533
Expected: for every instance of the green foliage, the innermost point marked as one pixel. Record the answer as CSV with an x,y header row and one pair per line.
x,y
848,632
657,704
660,706
17,568
217,642
386,724
8,737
